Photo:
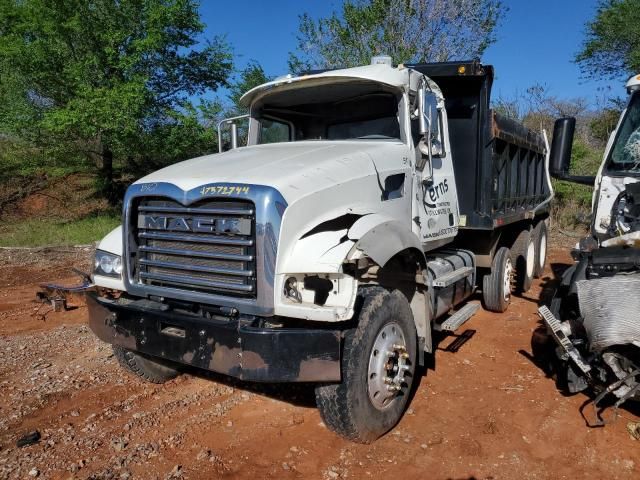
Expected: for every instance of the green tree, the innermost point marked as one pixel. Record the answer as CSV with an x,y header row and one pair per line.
x,y
612,44
603,123
605,119
108,80
407,30
251,76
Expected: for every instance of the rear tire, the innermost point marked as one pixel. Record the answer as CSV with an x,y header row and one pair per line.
x,y
540,238
496,287
150,370
378,369
523,254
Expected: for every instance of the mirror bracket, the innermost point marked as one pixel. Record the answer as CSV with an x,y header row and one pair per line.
x,y
426,161
231,122
421,113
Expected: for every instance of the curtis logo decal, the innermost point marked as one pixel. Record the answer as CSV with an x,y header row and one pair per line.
x,y
435,192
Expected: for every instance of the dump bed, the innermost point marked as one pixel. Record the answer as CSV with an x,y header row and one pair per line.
x,y
499,164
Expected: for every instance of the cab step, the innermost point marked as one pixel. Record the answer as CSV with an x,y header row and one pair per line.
x,y
456,320
452,277
562,340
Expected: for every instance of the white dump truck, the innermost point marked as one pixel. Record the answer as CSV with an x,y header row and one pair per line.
x,y
365,209
593,316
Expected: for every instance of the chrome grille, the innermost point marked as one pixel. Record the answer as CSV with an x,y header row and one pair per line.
x,y
206,247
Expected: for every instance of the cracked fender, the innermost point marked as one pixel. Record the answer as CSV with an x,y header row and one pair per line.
x,y
381,237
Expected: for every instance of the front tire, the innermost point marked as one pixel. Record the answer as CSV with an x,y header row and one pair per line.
x,y
378,369
144,367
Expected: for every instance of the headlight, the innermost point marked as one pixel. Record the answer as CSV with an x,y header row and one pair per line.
x,y
107,264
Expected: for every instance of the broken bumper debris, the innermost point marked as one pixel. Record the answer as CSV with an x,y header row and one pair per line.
x,y
58,295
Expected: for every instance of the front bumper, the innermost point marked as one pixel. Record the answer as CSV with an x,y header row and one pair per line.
x,y
238,347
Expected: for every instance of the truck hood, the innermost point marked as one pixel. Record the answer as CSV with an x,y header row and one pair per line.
x,y
295,169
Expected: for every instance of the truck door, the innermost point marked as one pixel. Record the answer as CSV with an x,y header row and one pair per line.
x,y
436,201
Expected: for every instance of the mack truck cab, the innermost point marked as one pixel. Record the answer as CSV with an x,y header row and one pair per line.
x,y
366,208
593,316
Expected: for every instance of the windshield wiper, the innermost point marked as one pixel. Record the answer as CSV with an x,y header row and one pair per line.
x,y
375,137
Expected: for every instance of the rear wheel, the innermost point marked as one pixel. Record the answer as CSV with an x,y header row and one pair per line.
x,y
524,258
144,367
496,287
540,237
378,369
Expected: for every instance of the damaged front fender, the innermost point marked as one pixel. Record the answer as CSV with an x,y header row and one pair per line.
x,y
380,237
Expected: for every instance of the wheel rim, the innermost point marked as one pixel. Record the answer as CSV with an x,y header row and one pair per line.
x,y
508,274
389,366
531,258
542,255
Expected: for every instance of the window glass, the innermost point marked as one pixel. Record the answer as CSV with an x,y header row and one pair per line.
x,y
272,131
349,110
377,128
626,149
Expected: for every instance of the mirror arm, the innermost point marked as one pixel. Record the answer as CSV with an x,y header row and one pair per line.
x,y
421,118
430,152
234,130
234,135
580,179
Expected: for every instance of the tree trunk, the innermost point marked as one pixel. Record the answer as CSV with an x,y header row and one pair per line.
x,y
109,189
107,164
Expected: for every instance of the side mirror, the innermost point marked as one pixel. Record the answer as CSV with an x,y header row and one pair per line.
x,y
563,131
233,126
428,113
431,143
560,157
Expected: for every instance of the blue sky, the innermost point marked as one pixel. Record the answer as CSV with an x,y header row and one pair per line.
x,y
536,41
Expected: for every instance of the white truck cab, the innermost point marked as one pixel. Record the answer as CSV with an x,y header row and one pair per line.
x,y
365,208
620,168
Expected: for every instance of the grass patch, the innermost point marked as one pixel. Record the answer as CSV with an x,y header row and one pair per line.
x,y
41,232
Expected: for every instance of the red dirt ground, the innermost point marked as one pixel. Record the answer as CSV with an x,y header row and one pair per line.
x,y
485,412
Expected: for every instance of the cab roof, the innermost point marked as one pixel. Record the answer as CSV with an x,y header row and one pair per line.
x,y
401,78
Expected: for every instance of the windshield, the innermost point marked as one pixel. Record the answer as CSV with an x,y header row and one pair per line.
x,y
353,110
625,155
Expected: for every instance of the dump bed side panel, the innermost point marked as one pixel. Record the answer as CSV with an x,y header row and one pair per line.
x,y
518,177
499,164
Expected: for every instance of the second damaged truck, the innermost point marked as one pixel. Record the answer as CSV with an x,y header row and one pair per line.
x,y
593,316
366,207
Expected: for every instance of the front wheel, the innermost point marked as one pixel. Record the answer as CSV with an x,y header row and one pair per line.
x,y
378,369
154,371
